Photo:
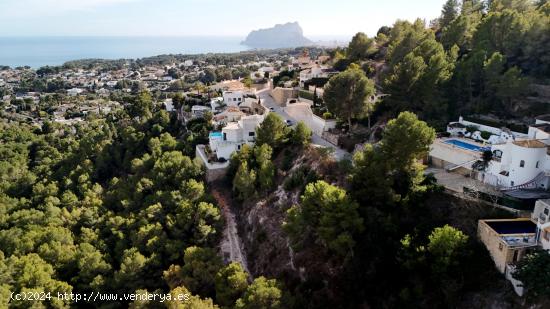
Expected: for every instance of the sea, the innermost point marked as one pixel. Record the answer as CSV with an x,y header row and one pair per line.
x,y
41,51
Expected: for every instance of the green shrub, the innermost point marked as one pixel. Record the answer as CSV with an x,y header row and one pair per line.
x,y
485,134
288,159
300,178
306,95
471,129
499,124
327,115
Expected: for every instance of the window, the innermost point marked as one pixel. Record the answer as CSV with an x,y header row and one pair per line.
x,y
521,163
500,247
239,147
516,256
251,133
511,183
546,211
537,165
225,136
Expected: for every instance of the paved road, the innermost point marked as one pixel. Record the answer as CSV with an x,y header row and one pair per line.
x,y
316,140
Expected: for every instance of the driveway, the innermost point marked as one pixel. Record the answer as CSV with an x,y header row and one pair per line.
x,y
316,140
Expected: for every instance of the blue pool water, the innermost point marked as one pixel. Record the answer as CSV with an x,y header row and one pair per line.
x,y
465,145
216,134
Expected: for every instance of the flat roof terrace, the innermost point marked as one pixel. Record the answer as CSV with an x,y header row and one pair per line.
x,y
514,232
512,226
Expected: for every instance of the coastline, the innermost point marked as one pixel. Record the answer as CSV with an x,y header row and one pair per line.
x,y
37,52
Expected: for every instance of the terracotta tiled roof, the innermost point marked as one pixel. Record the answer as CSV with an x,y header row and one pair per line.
x,y
531,143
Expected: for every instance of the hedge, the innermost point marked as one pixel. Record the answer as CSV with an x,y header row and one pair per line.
x,y
499,124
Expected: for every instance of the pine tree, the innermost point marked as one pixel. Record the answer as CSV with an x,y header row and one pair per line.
x,y
449,13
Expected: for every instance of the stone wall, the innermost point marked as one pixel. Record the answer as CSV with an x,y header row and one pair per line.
x,y
496,247
281,95
214,171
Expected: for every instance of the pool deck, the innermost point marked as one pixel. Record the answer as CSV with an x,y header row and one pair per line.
x,y
480,146
451,154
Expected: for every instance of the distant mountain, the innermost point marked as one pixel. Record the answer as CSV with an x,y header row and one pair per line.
x,y
280,36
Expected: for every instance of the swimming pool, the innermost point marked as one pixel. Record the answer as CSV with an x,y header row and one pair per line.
x,y
466,146
216,135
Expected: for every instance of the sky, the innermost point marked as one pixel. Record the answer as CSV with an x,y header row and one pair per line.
x,y
204,17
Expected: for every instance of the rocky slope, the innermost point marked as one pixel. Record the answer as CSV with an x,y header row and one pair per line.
x,y
279,36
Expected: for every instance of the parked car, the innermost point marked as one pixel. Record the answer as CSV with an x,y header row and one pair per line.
x,y
272,109
288,122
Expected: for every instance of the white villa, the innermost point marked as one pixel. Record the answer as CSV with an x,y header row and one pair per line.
x,y
525,162
316,71
233,98
169,105
239,123
216,104
520,161
541,216
234,135
74,91
498,135
301,111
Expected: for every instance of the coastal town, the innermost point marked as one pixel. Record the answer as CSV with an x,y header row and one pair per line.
x,y
405,168
492,164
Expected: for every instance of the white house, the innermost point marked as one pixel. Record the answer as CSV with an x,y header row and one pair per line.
x,y
111,83
216,104
541,129
74,91
524,162
234,135
520,161
301,111
233,98
316,71
498,135
541,216
169,104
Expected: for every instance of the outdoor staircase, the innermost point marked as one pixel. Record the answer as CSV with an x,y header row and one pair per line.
x,y
532,183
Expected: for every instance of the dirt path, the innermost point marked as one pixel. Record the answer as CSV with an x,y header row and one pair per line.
x,y
231,245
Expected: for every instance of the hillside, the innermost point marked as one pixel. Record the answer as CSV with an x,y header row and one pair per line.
x,y
317,275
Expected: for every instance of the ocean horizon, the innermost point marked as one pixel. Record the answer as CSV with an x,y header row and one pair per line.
x,y
56,50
